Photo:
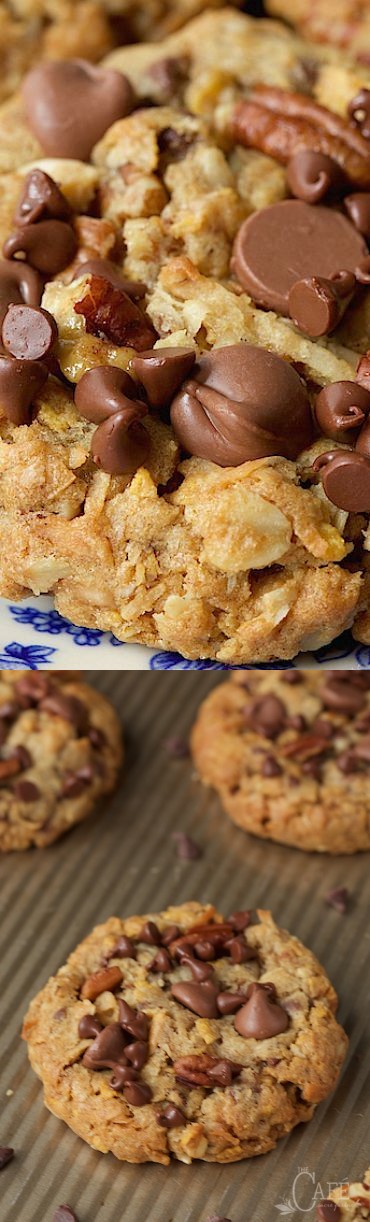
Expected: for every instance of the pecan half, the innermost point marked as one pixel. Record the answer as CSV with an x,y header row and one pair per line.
x,y
281,123
306,746
111,313
106,978
206,1071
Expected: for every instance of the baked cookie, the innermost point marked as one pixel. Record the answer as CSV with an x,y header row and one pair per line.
x,y
61,748
151,1039
343,23
144,487
347,1203
289,755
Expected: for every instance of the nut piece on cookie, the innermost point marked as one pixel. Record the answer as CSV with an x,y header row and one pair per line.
x,y
148,1041
289,755
60,752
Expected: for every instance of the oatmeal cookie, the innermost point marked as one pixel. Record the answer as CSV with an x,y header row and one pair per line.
x,y
343,23
61,750
289,754
347,1203
183,1034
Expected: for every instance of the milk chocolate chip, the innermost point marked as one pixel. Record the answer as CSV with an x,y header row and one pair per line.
x,y
311,175
29,332
242,403
105,390
20,383
18,283
346,479
70,104
359,111
261,1017
317,305
49,245
292,241
363,441
200,998
40,200
358,208
121,444
341,409
161,371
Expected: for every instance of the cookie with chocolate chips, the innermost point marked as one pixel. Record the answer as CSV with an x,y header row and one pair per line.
x,y
289,755
60,752
347,1203
154,1041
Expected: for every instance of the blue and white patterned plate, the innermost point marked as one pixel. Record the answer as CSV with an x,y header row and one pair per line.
x,y
34,635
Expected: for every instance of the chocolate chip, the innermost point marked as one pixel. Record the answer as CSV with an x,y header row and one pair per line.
x,y
161,962
169,75
49,245
312,175
18,283
6,1155
122,1075
292,677
169,934
97,738
186,848
341,409
359,111
89,1027
124,949
137,1053
261,1017
177,747
234,408
133,1021
74,783
328,1211
161,371
199,997
338,898
266,716
107,1048
270,767
171,1117
324,728
137,1094
64,1213
342,694
346,479
240,920
150,934
347,762
26,791
358,208
29,332
31,689
199,971
317,304
121,444
20,384
103,391
8,711
288,242
40,199
229,1003
70,104
173,145
68,707
239,951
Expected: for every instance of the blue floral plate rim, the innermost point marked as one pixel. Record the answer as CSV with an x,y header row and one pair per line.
x,y
34,635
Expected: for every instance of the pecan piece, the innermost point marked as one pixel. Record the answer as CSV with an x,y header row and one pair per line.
x,y
106,978
306,746
280,124
110,312
205,1071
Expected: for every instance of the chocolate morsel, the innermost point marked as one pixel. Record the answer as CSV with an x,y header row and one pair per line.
x,y
29,332
242,403
41,199
291,241
312,175
18,283
317,305
49,245
70,104
358,208
20,383
105,390
341,409
161,371
261,1017
346,479
120,444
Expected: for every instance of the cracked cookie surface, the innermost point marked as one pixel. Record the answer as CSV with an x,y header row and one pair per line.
x,y
201,1090
61,750
288,754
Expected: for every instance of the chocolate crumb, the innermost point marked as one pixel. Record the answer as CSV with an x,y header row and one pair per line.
x,y
177,747
6,1155
186,848
338,898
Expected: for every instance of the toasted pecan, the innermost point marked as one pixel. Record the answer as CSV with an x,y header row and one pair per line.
x,y
280,124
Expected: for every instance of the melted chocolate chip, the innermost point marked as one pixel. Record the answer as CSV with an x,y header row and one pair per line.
x,y
266,716
107,1048
150,934
121,444
261,1017
161,962
346,479
124,949
200,997
89,1027
18,283
133,1021
104,391
341,409
137,1094
229,1003
161,371
137,1053
312,175
171,1117
240,920
235,408
291,241
70,104
29,332
341,694
26,791
270,767
20,384
317,305
69,707
41,199
48,245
